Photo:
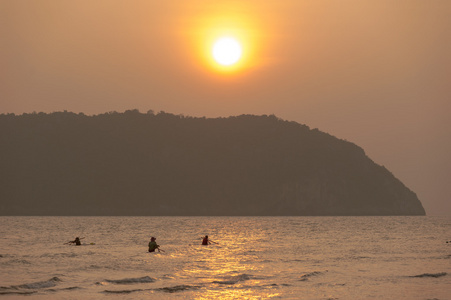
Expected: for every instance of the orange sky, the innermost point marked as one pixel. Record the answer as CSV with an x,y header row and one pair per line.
x,y
376,72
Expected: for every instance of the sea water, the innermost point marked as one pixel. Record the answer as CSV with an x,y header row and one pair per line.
x,y
254,258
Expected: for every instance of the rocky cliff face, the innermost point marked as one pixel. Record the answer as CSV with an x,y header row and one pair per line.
x,y
322,195
147,164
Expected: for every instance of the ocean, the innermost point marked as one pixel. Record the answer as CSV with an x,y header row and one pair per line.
x,y
254,258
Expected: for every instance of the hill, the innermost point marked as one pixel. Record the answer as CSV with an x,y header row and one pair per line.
x,y
163,164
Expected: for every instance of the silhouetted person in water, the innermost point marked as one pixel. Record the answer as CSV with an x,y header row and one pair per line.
x,y
153,245
77,241
205,241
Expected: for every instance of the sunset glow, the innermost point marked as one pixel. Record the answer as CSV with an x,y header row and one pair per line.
x,y
339,66
223,150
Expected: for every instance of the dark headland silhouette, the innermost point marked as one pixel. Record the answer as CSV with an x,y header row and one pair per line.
x,y
163,164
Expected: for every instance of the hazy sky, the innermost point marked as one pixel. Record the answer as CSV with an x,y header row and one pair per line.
x,y
373,72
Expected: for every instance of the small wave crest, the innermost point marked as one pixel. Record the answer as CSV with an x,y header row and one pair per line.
x,y
122,291
145,279
178,288
16,292
16,261
65,289
29,288
41,284
234,279
434,275
170,289
35,285
306,277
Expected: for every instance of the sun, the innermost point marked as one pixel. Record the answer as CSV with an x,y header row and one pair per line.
x,y
227,51
226,44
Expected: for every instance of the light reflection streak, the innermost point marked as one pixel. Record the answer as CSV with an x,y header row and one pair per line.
x,y
235,294
228,270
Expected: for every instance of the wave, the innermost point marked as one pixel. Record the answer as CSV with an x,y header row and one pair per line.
x,y
172,289
145,279
17,292
295,260
17,261
178,288
35,285
64,289
71,288
434,275
123,291
306,277
234,279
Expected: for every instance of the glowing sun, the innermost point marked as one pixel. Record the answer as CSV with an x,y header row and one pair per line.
x,y
227,51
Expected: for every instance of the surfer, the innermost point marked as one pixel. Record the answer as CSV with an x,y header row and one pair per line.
x,y
153,245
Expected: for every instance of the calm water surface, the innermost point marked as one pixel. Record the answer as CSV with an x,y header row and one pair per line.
x,y
255,258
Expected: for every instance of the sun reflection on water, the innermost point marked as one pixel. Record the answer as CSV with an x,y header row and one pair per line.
x,y
227,270
235,294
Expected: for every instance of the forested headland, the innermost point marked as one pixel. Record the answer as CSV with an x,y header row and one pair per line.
x,y
136,163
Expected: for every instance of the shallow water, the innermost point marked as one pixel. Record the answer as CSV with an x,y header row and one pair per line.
x,y
255,258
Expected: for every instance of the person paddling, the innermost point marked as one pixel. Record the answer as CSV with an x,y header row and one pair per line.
x,y
206,241
153,245
77,241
